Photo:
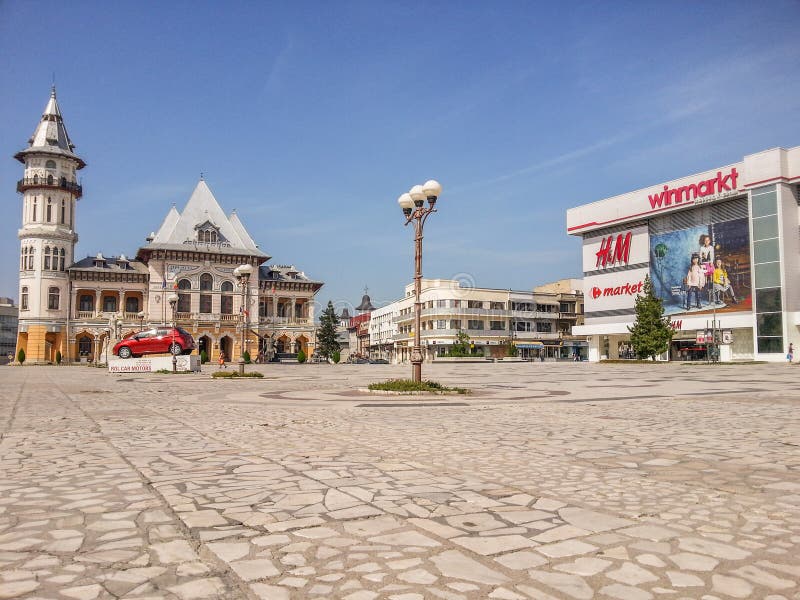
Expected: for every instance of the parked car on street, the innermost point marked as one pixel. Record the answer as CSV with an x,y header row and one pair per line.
x,y
156,341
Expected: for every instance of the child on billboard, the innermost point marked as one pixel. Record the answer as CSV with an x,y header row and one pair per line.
x,y
722,283
695,282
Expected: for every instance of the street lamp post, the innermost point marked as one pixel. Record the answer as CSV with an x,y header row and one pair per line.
x,y
173,304
243,273
141,320
415,212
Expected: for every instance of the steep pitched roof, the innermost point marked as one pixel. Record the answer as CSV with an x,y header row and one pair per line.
x,y
179,229
50,136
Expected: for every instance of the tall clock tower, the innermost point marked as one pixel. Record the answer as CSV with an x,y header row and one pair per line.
x,y
50,192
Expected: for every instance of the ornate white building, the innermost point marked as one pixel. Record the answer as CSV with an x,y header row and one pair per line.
x,y
78,309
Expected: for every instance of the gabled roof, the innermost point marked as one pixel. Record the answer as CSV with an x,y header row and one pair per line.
x,y
51,135
284,273
178,231
114,264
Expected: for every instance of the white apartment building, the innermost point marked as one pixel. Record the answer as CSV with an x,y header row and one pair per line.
x,y
537,323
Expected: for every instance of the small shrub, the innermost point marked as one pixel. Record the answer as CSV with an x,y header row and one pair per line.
x,y
336,357
234,374
246,357
21,356
301,357
203,357
409,385
58,357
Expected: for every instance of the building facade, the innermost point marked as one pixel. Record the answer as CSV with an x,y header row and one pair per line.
x,y
721,249
494,320
80,308
9,317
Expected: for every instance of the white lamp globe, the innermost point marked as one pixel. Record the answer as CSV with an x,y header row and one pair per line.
x,y
432,188
405,201
416,193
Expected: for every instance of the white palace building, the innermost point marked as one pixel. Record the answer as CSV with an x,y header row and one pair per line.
x,y
722,249
75,309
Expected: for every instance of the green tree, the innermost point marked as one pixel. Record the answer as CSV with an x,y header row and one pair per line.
x,y
301,356
21,356
461,346
58,357
326,335
651,332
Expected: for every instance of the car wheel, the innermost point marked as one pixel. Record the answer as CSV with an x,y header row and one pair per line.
x,y
124,352
175,349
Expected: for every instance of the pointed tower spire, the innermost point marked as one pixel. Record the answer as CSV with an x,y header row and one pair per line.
x,y
50,136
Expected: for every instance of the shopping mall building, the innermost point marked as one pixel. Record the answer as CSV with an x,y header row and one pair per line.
x,y
722,249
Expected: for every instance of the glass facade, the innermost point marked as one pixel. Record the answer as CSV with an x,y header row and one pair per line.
x,y
767,270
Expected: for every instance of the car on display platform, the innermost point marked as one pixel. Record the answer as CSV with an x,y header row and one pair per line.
x,y
158,340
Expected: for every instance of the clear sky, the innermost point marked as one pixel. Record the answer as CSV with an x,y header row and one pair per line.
x,y
311,118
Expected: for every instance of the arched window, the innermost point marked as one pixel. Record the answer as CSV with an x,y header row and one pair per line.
x,y
47,258
31,254
53,297
226,301
49,179
23,258
61,257
63,211
35,179
206,282
50,164
23,298
84,345
49,216
184,284
132,305
86,303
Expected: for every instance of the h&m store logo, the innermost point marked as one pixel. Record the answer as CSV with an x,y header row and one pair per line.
x,y
613,251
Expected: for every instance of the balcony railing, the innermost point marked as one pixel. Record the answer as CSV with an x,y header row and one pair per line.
x,y
53,183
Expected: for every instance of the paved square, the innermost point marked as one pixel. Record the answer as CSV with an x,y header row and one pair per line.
x,y
549,481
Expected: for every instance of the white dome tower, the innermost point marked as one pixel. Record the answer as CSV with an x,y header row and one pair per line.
x,y
47,238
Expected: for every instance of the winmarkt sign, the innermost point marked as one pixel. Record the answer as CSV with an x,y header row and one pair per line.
x,y
716,186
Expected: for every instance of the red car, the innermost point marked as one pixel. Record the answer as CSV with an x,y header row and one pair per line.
x,y
155,341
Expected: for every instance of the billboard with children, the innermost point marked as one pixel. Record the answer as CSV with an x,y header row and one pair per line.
x,y
702,268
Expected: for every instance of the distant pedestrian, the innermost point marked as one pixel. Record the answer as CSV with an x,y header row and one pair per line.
x,y
222,364
790,354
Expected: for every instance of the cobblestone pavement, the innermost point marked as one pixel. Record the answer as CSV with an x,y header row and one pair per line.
x,y
549,481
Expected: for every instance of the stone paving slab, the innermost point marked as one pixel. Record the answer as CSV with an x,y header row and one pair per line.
x,y
548,481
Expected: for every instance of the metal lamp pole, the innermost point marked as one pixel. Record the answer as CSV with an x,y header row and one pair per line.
x,y
173,304
415,212
242,273
141,320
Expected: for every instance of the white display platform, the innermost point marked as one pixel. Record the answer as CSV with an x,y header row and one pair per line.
x,y
149,364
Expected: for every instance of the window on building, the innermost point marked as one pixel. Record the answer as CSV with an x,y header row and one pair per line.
x,y
441,304
61,257
184,284
455,323
184,302
35,202
474,304
226,286
226,305
441,324
109,304
205,303
47,258
497,325
50,164
49,216
23,298
53,297
84,345
475,324
86,303
132,305
498,306
63,211
544,327
31,255
206,282
23,258
455,303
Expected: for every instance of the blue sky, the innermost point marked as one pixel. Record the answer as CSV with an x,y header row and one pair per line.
x,y
310,118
